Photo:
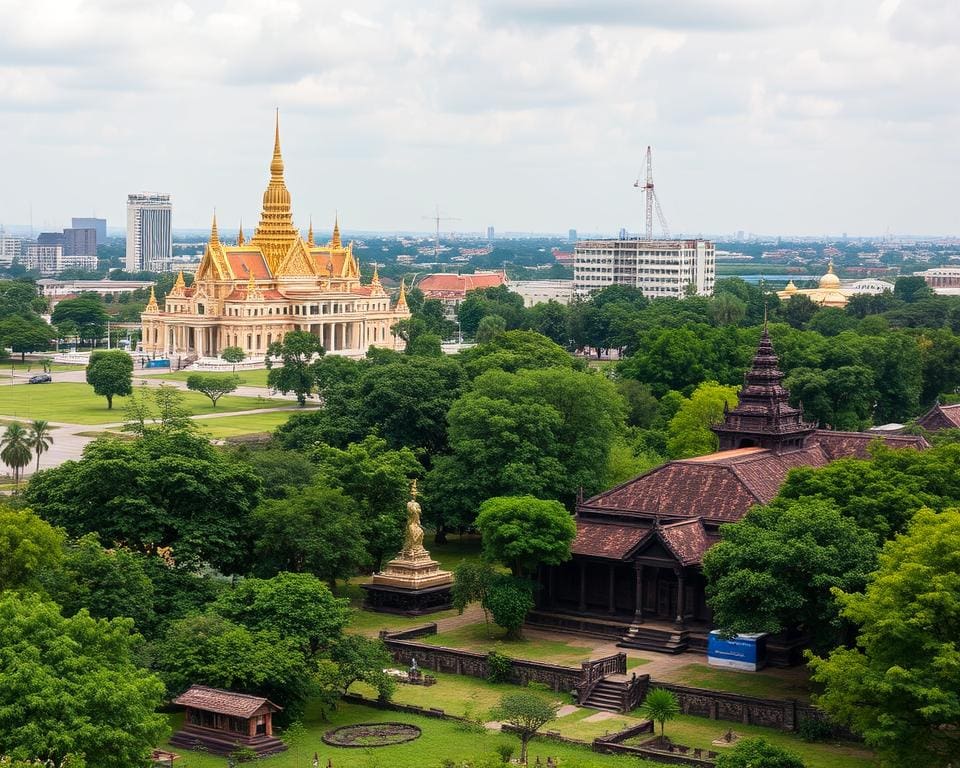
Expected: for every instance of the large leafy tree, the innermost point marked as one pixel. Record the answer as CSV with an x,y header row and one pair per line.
x,y
297,606
31,550
527,712
775,568
899,687
25,334
110,373
87,315
70,686
214,385
295,353
318,531
163,489
19,297
689,429
523,532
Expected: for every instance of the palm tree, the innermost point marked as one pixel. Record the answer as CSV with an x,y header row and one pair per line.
x,y
41,438
15,449
660,705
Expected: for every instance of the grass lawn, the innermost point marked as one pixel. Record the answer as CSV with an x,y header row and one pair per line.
x,y
440,739
249,378
230,426
34,366
370,623
75,403
792,684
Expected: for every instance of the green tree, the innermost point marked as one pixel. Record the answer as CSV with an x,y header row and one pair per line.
x,y
899,686
527,713
70,686
799,310
233,355
15,449
213,386
86,313
164,489
911,288
110,373
19,297
31,550
25,334
317,531
758,753
361,658
295,374
510,600
281,472
471,584
489,328
641,404
207,649
523,532
775,568
515,350
40,437
727,309
551,319
689,430
660,705
296,606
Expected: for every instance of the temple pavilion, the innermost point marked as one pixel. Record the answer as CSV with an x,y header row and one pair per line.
x,y
248,294
635,574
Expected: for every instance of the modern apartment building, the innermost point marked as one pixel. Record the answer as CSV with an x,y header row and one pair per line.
x,y
10,248
100,225
51,259
149,232
80,242
657,267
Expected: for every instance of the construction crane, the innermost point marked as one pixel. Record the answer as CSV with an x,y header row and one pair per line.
x,y
437,218
652,201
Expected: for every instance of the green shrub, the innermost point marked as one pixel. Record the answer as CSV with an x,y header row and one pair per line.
x,y
505,751
815,729
499,668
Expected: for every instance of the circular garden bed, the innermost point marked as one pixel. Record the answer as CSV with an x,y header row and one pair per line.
x,y
371,735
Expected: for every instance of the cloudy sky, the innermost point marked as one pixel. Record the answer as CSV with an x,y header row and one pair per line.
x,y
771,116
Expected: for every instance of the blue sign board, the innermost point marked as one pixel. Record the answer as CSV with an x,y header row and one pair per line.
x,y
158,364
746,652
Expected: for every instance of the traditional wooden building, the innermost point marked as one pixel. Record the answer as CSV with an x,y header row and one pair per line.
x,y
249,294
941,417
636,571
220,720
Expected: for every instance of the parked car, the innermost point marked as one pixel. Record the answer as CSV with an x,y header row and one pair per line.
x,y
40,378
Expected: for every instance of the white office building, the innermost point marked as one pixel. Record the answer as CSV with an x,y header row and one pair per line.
x,y
657,267
10,248
541,291
51,260
149,232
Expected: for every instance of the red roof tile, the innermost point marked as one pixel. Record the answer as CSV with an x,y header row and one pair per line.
x,y
840,445
941,417
458,285
609,541
687,539
243,262
223,702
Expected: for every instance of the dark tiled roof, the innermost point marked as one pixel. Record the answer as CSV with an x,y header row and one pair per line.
x,y
688,540
223,702
609,541
941,417
842,445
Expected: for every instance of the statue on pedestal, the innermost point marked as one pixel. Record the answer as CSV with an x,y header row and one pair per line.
x,y
413,536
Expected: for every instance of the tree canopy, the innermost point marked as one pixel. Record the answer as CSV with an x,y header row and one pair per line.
x,y
110,373
523,532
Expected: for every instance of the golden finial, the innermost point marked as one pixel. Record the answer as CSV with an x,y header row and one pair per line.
x,y
152,303
240,240
402,300
335,242
214,234
276,165
310,233
376,274
178,285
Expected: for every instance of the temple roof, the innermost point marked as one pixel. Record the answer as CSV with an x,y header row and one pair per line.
x,y
687,540
610,541
941,417
442,284
224,702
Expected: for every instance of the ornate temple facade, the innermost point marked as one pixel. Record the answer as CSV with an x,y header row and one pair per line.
x,y
248,294
636,575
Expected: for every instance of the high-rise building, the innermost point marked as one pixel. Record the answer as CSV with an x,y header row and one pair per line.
x,y
149,232
657,267
50,238
100,225
490,233
80,242
45,259
10,248
572,235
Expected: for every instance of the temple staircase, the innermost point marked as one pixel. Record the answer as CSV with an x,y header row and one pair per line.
x,y
650,637
604,684
608,694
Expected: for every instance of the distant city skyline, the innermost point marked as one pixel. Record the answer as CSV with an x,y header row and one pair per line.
x,y
799,119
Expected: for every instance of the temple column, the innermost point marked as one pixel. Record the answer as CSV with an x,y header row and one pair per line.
x,y
681,584
638,600
611,589
583,586
198,341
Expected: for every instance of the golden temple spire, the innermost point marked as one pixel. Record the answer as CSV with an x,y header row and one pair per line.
x,y
310,233
376,274
179,285
152,303
335,241
214,234
402,300
276,165
240,240
275,233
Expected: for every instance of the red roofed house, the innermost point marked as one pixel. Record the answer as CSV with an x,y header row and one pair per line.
x,y
941,417
220,720
451,289
635,573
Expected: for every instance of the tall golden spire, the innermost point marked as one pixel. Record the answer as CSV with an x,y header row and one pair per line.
x,y
275,233
179,285
310,233
214,234
402,299
152,303
335,241
240,240
376,274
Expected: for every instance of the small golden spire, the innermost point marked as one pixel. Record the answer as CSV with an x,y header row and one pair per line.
x,y
310,233
214,234
179,285
240,240
402,300
152,303
276,165
376,274
335,241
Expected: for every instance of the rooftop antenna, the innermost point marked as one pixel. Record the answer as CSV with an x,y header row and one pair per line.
x,y
437,218
652,201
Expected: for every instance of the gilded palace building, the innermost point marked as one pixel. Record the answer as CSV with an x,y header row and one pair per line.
x,y
249,294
